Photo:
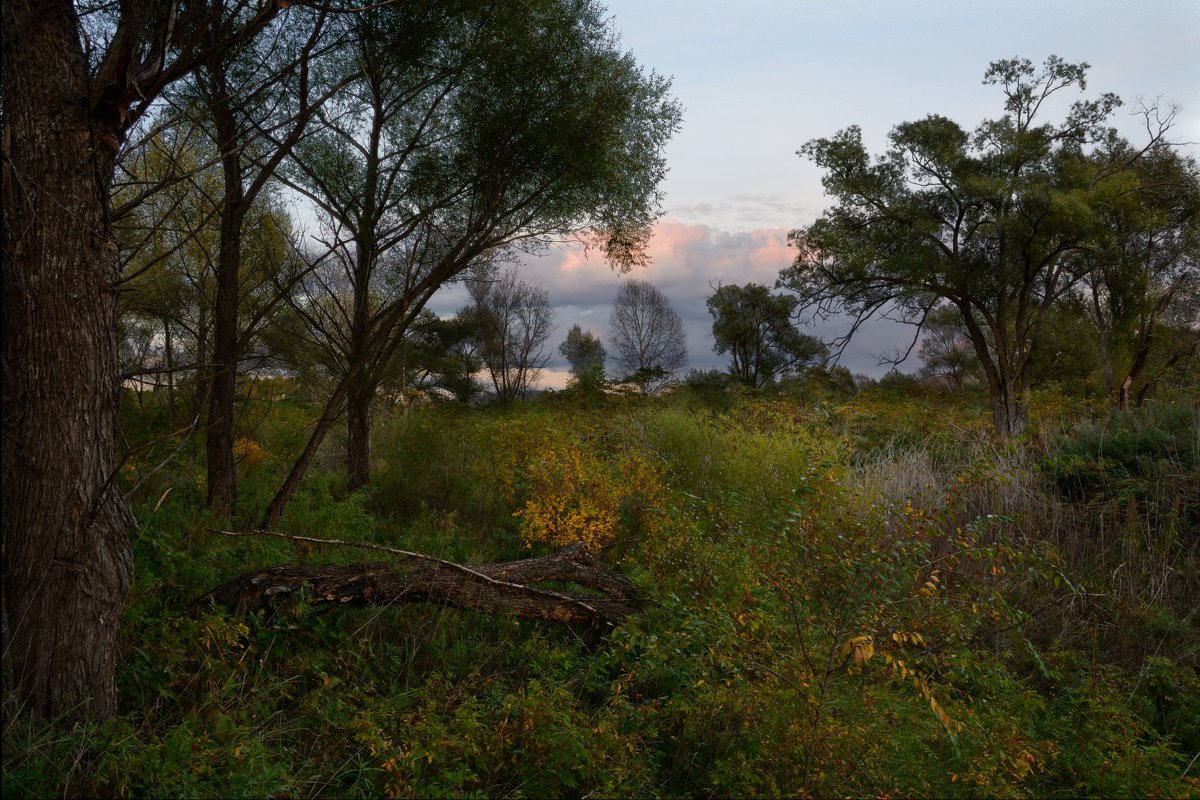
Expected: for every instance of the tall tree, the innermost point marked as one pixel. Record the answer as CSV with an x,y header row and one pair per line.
x,y
991,221
513,320
755,327
547,131
370,177
647,336
168,239
76,78
171,249
240,89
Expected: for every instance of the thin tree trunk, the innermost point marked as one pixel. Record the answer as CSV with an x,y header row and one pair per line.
x,y
170,353
222,473
200,382
67,558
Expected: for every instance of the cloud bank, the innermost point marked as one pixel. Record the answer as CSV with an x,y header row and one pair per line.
x,y
687,262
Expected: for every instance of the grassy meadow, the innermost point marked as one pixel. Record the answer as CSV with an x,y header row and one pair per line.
x,y
842,595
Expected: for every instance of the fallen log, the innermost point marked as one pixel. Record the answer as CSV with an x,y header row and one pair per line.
x,y
413,577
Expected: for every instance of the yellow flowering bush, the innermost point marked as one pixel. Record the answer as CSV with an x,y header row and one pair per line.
x,y
578,492
249,452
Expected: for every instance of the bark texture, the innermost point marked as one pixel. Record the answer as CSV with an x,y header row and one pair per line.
x,y
358,437
500,588
67,559
222,472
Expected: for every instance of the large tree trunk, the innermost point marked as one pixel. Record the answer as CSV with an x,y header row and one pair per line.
x,y
501,588
358,436
1010,408
361,387
67,560
222,474
1009,396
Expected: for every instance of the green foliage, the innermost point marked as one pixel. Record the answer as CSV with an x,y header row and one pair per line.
x,y
862,597
1141,439
755,328
711,385
589,385
1004,223
584,351
1129,454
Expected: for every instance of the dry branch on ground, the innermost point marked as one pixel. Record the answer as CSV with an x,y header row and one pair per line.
x,y
504,588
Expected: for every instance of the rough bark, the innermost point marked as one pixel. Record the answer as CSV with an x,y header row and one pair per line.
x,y
500,588
358,437
1010,409
222,474
67,559
362,389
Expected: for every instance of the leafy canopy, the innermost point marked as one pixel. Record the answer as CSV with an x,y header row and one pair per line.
x,y
755,327
992,220
583,351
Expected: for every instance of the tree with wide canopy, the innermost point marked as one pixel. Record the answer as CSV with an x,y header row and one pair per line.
x,y
1001,221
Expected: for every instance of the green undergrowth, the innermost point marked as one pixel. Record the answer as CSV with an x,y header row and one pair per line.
x,y
844,597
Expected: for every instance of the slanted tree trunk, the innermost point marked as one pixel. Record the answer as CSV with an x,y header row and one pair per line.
x,y
67,559
291,483
396,321
504,588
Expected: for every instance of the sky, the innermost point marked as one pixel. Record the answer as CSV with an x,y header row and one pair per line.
x,y
758,79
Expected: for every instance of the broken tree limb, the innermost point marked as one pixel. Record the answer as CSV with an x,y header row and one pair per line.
x,y
413,577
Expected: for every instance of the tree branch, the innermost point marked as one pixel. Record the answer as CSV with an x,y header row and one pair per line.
x,y
414,577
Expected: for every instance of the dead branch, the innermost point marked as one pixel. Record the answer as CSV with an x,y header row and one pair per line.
x,y
503,588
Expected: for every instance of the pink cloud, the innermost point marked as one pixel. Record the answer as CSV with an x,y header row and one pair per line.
x,y
680,252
